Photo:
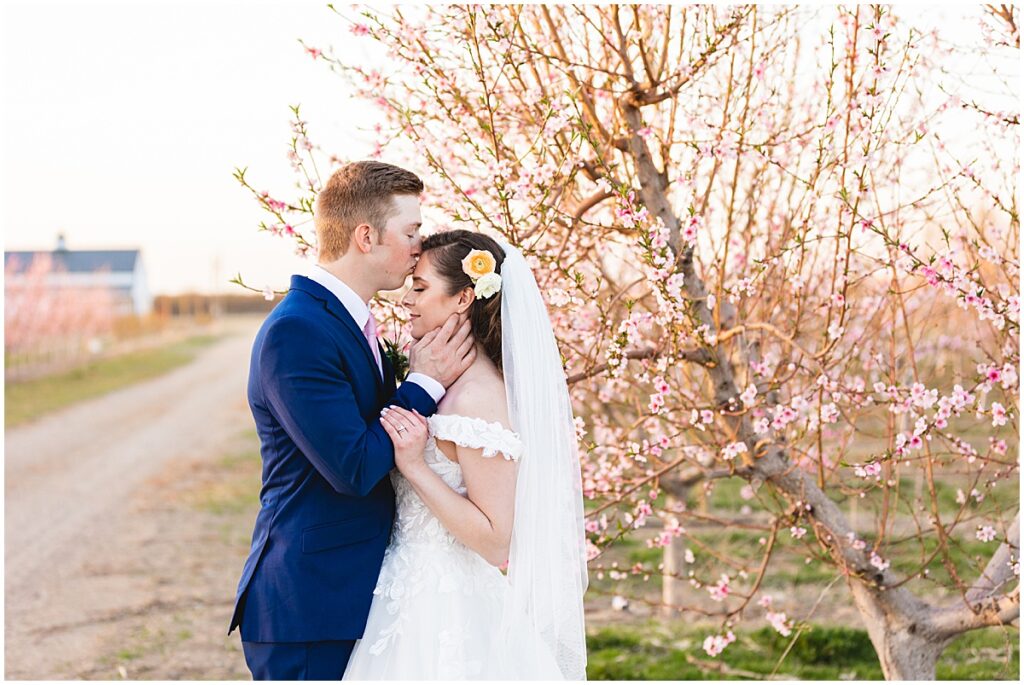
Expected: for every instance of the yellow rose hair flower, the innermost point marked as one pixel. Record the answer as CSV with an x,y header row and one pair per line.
x,y
480,266
478,263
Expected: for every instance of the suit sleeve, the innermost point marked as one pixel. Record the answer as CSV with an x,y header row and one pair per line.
x,y
314,400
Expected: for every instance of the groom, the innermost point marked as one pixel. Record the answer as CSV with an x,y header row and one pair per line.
x,y
317,383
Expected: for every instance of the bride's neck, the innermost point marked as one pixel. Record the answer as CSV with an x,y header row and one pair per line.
x,y
481,366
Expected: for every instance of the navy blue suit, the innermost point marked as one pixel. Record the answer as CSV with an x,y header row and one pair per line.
x,y
326,503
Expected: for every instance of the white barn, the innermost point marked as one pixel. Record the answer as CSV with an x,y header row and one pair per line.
x,y
121,271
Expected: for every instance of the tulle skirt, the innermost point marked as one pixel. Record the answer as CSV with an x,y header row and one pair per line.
x,y
437,614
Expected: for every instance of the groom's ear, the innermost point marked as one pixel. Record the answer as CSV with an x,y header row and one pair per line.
x,y
362,238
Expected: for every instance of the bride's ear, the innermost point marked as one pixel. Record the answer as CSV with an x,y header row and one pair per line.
x,y
465,300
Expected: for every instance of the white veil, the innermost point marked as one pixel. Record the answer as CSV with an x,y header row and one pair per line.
x,y
547,560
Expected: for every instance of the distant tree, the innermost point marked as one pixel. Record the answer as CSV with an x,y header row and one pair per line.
x,y
48,319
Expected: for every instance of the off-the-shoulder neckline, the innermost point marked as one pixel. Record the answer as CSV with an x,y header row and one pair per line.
x,y
513,443
476,419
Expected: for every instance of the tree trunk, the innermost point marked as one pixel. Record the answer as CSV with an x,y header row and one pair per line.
x,y
673,585
907,648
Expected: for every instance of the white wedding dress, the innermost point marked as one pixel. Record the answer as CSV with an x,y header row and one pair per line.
x,y
438,605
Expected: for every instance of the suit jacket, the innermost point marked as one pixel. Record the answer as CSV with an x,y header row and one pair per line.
x,y
326,505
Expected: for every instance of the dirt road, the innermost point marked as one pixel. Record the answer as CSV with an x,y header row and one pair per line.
x,y
83,489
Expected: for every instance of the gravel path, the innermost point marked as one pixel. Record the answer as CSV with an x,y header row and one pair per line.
x,y
73,483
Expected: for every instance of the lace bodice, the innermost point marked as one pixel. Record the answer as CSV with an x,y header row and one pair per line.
x,y
414,523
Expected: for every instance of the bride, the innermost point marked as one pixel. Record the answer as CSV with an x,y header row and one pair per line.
x,y
492,477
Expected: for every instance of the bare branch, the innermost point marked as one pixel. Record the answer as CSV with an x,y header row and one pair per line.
x,y
697,356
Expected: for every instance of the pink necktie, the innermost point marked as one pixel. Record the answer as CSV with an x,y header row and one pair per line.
x,y
370,331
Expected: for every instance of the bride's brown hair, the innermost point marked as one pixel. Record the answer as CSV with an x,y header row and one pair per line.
x,y
447,250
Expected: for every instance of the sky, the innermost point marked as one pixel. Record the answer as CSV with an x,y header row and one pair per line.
x,y
122,124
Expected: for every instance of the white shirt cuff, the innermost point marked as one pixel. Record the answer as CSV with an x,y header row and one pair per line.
x,y
432,387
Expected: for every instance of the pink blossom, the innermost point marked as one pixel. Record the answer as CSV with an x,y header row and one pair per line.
x,y
985,533
720,590
878,562
716,644
870,470
779,622
998,414
730,451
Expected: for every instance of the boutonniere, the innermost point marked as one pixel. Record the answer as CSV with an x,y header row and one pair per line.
x,y
399,362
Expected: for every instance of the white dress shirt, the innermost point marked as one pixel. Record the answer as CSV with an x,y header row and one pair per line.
x,y
360,313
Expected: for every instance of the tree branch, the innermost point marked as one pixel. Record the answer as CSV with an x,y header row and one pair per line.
x,y
698,356
993,611
982,605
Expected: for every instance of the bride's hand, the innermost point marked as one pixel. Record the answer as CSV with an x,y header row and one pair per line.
x,y
408,432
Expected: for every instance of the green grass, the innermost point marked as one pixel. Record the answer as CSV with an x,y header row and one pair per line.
x,y
992,654
789,568
726,495
28,400
674,651
969,557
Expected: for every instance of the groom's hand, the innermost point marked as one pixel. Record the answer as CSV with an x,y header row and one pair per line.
x,y
445,352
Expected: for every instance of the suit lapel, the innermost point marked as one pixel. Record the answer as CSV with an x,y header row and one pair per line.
x,y
338,311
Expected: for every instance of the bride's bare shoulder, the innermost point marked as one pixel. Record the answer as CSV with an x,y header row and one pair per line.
x,y
479,396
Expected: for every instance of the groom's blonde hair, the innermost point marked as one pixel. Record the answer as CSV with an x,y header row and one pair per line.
x,y
358,193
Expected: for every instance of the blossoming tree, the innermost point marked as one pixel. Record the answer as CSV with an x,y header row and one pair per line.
x,y
47,322
771,256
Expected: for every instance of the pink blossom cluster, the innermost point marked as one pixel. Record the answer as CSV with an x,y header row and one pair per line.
x,y
661,391
870,470
714,645
733,449
720,590
778,621
670,530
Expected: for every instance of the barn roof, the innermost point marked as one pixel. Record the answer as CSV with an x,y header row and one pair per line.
x,y
77,261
